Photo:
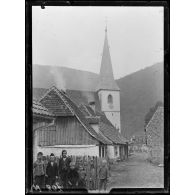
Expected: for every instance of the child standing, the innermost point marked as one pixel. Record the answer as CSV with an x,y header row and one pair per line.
x,y
73,176
39,171
52,171
103,176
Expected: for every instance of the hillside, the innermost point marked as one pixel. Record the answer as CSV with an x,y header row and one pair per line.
x,y
139,91
63,77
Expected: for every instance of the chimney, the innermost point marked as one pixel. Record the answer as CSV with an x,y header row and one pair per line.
x,y
92,105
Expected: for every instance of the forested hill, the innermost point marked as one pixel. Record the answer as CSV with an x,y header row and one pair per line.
x,y
46,76
139,92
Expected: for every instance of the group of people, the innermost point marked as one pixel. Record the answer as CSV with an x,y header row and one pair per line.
x,y
66,172
48,175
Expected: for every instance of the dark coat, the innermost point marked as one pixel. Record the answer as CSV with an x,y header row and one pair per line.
x,y
52,171
64,165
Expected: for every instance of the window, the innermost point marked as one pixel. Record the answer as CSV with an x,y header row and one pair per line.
x,y
110,101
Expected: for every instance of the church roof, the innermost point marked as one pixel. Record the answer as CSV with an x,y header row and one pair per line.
x,y
106,78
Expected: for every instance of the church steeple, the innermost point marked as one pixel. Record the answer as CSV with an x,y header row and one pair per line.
x,y
106,78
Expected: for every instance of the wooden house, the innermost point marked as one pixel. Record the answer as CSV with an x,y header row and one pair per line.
x,y
69,129
155,136
79,130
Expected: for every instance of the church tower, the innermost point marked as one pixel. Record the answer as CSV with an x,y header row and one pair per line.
x,y
107,89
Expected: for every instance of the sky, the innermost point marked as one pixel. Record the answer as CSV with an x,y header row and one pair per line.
x,y
74,36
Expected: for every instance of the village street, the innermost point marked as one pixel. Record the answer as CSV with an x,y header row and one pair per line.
x,y
136,172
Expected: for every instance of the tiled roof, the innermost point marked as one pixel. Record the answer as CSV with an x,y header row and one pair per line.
x,y
39,109
55,104
108,130
79,97
87,110
84,110
156,124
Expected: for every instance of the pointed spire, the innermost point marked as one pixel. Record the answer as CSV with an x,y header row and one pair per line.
x,y
106,27
106,78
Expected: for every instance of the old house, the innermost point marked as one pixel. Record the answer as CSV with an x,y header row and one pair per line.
x,y
155,136
88,120
77,132
69,129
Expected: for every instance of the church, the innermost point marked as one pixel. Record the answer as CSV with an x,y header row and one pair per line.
x,y
82,122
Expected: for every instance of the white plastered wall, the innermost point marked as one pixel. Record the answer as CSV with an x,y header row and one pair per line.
x,y
112,113
111,151
114,118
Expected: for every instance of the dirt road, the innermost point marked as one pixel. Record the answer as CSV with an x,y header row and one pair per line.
x,y
136,172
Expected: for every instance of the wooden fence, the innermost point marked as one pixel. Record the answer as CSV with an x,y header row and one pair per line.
x,y
88,167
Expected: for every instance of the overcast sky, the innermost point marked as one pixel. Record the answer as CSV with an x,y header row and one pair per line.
x,y
74,36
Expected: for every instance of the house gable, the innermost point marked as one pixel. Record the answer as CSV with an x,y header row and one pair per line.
x,y
52,101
